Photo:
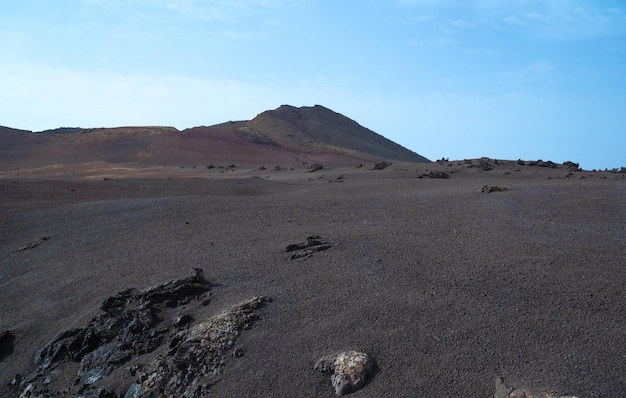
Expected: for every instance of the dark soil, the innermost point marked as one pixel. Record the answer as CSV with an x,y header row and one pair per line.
x,y
445,287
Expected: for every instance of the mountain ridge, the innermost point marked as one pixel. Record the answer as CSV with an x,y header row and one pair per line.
x,y
288,136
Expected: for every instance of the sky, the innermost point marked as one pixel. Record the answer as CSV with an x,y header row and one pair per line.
x,y
507,79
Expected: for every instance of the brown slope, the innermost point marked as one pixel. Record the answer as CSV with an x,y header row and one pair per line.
x,y
242,143
286,136
303,135
219,145
321,127
25,149
17,146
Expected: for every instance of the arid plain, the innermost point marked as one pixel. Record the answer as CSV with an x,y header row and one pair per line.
x,y
449,274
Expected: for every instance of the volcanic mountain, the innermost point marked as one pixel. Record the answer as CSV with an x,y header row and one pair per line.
x,y
287,136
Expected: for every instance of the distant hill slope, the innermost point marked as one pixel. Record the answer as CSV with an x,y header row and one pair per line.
x,y
321,126
287,136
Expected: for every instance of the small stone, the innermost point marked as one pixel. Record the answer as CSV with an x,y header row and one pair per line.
x,y
15,381
182,320
350,370
134,369
492,188
504,391
28,392
6,344
237,352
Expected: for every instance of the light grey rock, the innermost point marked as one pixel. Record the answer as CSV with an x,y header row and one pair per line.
x,y
504,391
349,370
196,356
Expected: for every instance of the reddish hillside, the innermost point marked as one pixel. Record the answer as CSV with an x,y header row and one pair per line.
x,y
320,127
286,136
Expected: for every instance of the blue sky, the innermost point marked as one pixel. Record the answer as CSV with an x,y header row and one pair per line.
x,y
530,79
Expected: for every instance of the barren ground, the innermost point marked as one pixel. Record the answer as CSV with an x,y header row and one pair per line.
x,y
446,287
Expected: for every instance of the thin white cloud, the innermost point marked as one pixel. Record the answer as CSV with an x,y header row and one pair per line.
x,y
544,19
566,20
425,3
538,74
422,18
462,23
437,43
220,10
214,6
537,16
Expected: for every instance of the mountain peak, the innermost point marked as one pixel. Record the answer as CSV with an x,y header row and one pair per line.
x,y
320,125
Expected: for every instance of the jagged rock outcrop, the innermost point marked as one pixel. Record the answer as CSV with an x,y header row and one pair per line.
x,y
196,356
153,326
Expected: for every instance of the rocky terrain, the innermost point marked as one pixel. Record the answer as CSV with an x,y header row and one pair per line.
x,y
369,276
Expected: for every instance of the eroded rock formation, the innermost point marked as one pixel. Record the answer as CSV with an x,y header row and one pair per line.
x,y
147,342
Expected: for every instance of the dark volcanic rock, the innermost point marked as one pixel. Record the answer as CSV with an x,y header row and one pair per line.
x,y
135,323
381,165
129,326
6,344
572,166
315,167
541,163
485,165
304,250
435,174
34,243
492,188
